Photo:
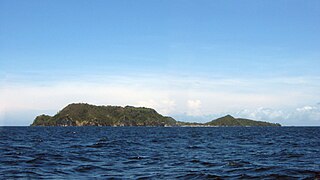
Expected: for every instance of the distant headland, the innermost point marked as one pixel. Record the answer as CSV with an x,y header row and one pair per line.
x,y
82,114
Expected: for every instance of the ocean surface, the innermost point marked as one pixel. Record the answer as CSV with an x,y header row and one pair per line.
x,y
160,152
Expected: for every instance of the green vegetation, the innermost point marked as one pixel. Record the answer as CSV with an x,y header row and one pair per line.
x,y
231,121
82,114
90,115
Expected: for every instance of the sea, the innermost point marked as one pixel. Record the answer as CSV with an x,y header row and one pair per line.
x,y
159,152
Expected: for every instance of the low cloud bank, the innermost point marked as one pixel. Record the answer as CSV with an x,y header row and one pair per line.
x,y
308,115
301,116
186,99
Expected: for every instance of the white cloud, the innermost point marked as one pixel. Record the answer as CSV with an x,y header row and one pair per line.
x,y
194,96
194,104
194,107
149,103
164,107
307,109
305,115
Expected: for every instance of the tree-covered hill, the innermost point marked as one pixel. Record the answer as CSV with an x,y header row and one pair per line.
x,y
81,114
231,121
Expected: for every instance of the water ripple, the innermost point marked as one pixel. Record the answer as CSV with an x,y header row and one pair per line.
x,y
159,153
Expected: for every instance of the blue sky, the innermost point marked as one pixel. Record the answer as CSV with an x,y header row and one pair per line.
x,y
189,59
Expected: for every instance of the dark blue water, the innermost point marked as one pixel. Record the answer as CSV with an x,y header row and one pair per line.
x,y
159,152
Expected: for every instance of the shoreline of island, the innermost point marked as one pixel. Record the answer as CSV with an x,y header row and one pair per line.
x,y
83,114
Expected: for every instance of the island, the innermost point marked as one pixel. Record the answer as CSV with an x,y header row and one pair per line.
x,y
83,114
228,120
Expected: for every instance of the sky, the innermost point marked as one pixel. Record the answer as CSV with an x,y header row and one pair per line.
x,y
194,60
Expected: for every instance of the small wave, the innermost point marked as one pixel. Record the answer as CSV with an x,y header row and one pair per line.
x,y
277,176
71,132
17,174
21,147
103,139
194,147
198,175
82,159
262,169
98,145
9,162
58,171
294,155
76,146
208,164
204,163
119,142
87,168
237,163
138,157
37,160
